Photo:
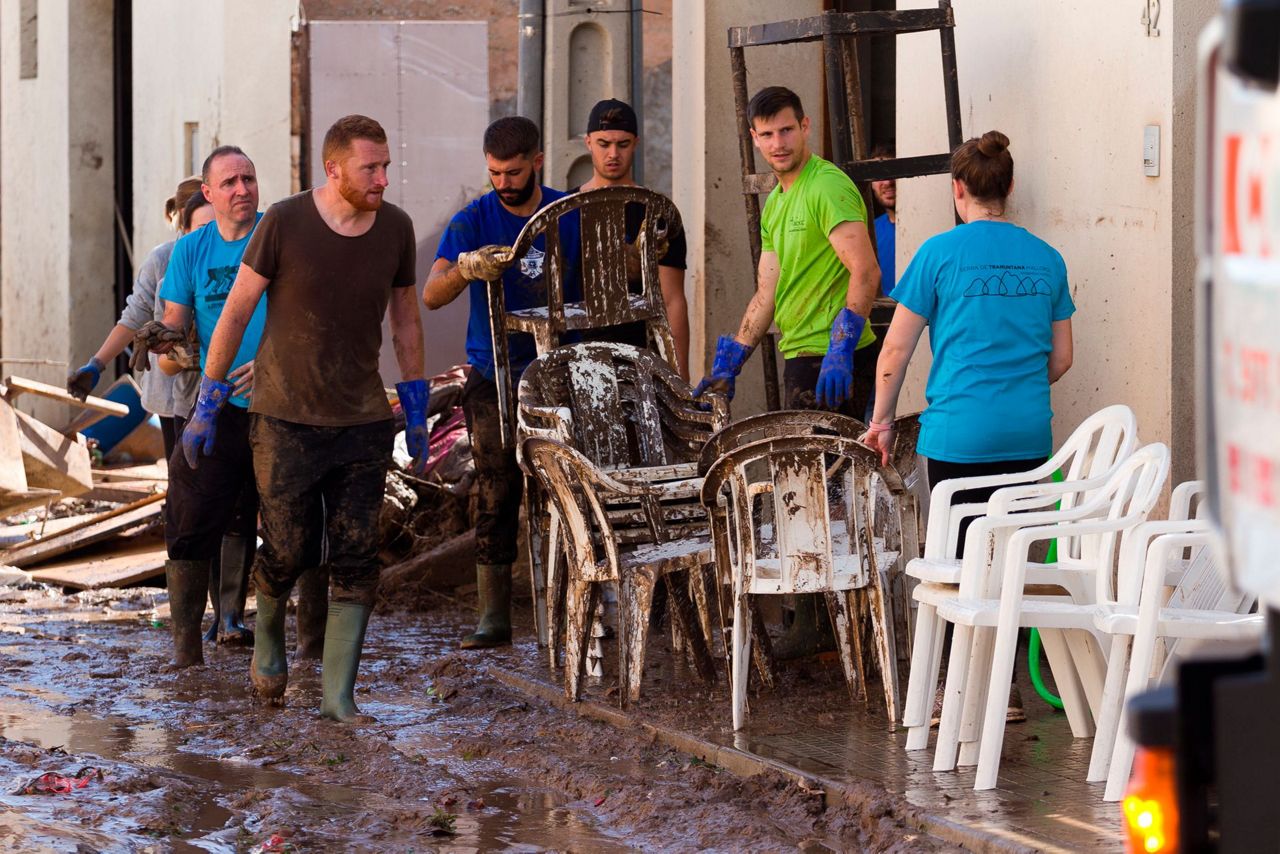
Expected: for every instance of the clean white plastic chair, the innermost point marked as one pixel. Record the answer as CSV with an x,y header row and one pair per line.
x,y
992,596
1087,458
1202,607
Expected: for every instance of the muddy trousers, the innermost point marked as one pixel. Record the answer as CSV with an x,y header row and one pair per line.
x,y
217,497
320,483
499,481
800,379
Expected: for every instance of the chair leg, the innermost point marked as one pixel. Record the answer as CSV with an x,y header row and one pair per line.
x,y
538,548
1109,712
944,752
740,656
580,608
761,648
635,601
683,612
857,607
555,591
1144,646
1089,658
840,606
698,590
886,649
997,706
975,696
1069,687
922,678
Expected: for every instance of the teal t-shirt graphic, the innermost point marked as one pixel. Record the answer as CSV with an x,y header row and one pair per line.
x,y
991,292
201,272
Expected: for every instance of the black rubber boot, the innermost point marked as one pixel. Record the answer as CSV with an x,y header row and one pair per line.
x,y
313,612
234,589
215,575
493,585
343,641
810,631
188,581
269,670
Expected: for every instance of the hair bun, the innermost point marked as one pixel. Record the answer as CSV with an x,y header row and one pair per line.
x,y
993,143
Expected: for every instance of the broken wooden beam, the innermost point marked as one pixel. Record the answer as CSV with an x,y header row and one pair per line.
x,y
13,475
119,569
15,386
52,460
128,519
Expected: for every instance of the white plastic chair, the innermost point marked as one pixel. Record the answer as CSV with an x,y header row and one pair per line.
x,y
1087,458
992,596
1202,607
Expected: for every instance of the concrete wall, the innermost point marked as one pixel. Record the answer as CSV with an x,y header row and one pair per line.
x,y
231,61
1073,86
56,275
707,171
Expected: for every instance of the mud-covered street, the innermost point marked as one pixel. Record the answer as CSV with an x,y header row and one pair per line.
x,y
456,761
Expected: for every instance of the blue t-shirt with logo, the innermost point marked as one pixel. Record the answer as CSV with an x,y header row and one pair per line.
x,y
886,238
200,274
485,221
990,292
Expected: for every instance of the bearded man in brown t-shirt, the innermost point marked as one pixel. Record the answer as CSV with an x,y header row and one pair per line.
x,y
333,261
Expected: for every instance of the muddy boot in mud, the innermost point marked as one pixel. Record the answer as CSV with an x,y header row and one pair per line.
x,y
188,582
809,633
215,574
234,588
269,671
493,583
343,640
313,613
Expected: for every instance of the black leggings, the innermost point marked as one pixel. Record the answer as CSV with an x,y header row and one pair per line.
x,y
940,470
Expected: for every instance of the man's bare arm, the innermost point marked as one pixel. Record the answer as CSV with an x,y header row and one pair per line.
x,y
759,314
177,316
852,245
444,283
227,335
406,333
672,280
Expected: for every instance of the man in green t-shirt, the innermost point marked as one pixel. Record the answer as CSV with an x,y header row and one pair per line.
x,y
818,276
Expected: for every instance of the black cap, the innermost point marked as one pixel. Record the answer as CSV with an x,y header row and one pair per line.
x,y
612,114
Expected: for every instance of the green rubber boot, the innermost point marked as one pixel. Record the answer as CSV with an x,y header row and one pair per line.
x,y
343,640
493,583
234,587
188,583
270,668
313,612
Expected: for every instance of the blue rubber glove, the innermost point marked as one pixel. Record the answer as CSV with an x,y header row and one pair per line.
x,y
730,357
415,397
835,380
200,429
83,379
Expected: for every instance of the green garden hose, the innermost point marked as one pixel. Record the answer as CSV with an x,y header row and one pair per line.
x,y
1033,646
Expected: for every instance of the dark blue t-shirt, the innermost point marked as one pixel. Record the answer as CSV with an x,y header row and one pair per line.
x,y
485,221
886,239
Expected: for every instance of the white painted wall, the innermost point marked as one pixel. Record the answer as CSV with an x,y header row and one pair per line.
x,y
56,271
1073,84
224,64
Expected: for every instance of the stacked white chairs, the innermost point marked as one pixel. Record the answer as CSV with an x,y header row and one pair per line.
x,y
1088,457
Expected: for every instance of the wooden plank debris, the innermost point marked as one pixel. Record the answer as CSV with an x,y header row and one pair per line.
x,y
117,473
15,386
123,491
128,519
52,460
13,475
137,563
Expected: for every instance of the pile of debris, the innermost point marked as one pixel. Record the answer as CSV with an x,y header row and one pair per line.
x,y
81,505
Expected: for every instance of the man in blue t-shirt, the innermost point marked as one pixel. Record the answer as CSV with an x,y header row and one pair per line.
x,y
219,495
475,249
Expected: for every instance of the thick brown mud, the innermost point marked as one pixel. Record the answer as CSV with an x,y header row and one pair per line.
x,y
455,761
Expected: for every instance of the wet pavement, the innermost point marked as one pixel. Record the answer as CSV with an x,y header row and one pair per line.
x,y
456,761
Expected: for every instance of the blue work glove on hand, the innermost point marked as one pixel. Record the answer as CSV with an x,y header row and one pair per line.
x,y
415,397
83,379
835,380
200,429
730,357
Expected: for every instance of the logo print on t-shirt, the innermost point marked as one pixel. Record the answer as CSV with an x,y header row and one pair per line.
x,y
531,263
1009,284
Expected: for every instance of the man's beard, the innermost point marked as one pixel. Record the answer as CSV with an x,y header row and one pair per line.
x,y
516,198
358,199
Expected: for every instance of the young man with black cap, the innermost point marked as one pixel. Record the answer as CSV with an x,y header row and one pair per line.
x,y
612,136
476,249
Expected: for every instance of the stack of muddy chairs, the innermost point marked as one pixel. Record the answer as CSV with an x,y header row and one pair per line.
x,y
634,484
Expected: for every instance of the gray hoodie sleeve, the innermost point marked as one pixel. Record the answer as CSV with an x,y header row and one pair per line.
x,y
140,306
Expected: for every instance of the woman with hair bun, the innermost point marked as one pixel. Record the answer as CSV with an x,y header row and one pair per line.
x,y
998,307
